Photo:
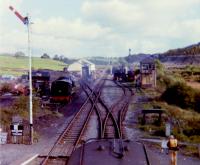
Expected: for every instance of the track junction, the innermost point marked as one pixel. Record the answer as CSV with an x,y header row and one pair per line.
x,y
109,123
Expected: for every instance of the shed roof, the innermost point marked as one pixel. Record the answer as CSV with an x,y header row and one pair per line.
x,y
84,61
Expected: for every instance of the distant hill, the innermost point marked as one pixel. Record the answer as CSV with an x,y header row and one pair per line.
x,y
189,50
6,54
17,66
136,57
106,60
186,55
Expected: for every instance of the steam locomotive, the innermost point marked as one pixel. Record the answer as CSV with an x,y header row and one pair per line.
x,y
62,90
112,151
123,76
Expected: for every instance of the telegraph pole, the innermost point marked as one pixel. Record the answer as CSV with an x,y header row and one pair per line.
x,y
26,21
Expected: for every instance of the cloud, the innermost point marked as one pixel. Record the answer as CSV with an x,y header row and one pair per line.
x,y
148,22
112,12
56,35
105,27
68,37
75,30
136,13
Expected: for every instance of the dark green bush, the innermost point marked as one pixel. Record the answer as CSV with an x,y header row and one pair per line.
x,y
191,131
197,102
160,132
182,95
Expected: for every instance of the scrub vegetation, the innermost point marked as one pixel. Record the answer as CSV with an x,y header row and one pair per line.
x,y
180,102
19,107
176,91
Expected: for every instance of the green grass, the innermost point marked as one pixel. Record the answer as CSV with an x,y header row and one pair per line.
x,y
18,66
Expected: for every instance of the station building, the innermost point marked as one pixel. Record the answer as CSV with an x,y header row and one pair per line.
x,y
77,67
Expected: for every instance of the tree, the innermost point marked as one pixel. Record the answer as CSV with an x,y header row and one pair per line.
x,y
19,54
66,60
180,94
61,57
45,55
56,57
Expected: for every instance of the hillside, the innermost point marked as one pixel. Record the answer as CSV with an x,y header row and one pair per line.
x,y
189,50
182,56
136,57
18,66
187,55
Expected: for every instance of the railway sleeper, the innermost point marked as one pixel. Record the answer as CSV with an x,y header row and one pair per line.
x,y
53,157
68,141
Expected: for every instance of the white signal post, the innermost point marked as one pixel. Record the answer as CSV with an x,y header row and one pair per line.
x,y
26,21
30,83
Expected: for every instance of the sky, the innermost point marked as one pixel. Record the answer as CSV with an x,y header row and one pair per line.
x,y
83,28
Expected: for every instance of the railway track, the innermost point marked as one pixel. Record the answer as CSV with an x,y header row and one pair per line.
x,y
118,111
109,119
111,131
103,114
71,137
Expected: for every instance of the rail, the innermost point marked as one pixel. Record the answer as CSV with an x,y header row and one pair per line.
x,y
116,113
71,136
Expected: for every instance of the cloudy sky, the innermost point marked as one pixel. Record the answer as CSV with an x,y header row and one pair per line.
x,y
81,28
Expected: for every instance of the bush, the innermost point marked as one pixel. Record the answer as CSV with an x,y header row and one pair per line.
x,y
19,54
160,132
197,102
45,56
182,95
5,87
191,131
21,106
165,81
6,116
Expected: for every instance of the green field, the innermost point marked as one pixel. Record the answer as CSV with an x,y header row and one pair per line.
x,y
18,66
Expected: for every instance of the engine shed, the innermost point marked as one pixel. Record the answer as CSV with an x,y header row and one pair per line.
x,y
148,72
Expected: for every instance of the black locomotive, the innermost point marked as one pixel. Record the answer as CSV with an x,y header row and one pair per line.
x,y
120,75
112,151
62,90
